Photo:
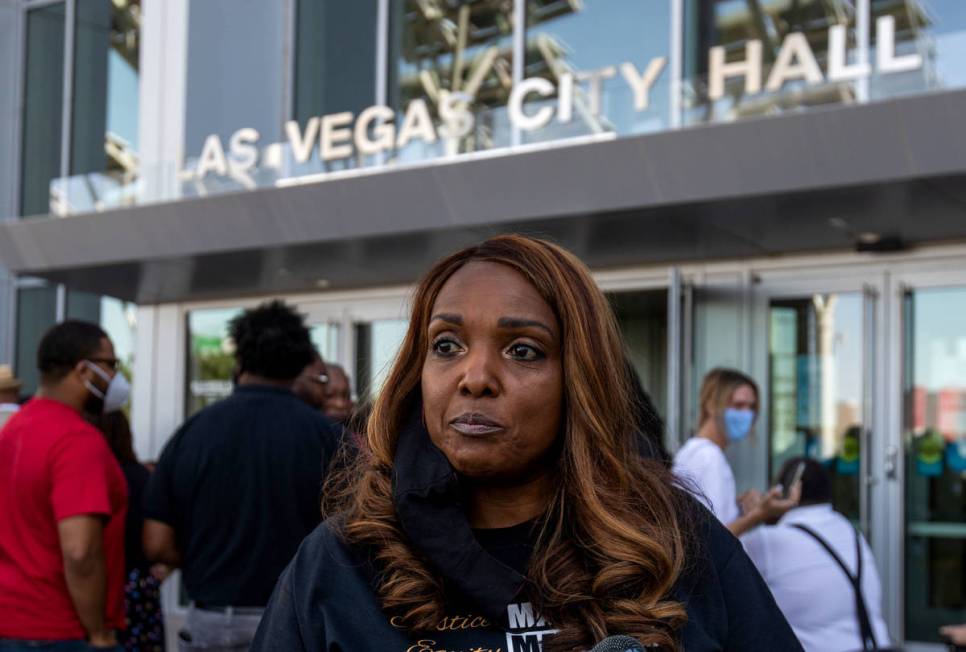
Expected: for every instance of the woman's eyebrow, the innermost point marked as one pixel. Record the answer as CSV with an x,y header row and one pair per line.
x,y
449,317
519,322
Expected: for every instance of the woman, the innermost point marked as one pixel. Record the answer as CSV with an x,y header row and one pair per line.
x,y
729,407
502,502
814,550
142,593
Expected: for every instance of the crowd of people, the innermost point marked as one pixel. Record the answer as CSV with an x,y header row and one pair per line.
x,y
800,545
507,489
88,533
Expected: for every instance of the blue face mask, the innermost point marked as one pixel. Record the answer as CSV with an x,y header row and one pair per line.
x,y
738,423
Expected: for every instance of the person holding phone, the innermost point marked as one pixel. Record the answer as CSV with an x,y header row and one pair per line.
x,y
815,551
729,407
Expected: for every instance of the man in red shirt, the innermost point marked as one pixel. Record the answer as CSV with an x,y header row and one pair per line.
x,y
63,499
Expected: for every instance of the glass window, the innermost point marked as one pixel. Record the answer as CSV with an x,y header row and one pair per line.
x,y
642,317
36,312
935,472
335,68
440,48
211,359
731,28
42,107
377,343
104,131
236,78
816,388
598,36
935,30
335,57
325,337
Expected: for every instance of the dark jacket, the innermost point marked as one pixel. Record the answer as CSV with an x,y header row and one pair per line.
x,y
325,599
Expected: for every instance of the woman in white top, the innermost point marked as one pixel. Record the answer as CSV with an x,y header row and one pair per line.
x,y
729,407
820,569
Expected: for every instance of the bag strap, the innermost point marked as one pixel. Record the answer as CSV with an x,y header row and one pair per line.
x,y
861,609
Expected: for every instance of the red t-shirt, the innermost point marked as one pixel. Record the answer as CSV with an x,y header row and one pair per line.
x,y
54,465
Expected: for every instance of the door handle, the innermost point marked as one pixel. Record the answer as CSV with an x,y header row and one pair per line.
x,y
891,466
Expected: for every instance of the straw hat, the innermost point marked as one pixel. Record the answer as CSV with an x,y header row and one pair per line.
x,y
7,379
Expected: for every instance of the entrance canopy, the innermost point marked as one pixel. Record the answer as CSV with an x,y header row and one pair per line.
x,y
884,175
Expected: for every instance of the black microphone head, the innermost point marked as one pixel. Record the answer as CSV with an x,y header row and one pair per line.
x,y
619,643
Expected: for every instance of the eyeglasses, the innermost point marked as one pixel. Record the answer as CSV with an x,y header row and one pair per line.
x,y
322,379
113,363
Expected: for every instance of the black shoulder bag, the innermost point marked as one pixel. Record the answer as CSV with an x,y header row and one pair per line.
x,y
861,611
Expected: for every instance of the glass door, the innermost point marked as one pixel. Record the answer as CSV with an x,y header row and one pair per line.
x,y
818,381
816,388
933,453
361,334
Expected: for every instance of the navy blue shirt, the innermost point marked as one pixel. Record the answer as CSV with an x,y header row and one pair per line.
x,y
325,601
239,483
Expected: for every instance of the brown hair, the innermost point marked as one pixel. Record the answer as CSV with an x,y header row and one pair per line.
x,y
717,389
117,431
614,535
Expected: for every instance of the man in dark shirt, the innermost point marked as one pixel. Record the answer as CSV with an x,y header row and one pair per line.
x,y
237,487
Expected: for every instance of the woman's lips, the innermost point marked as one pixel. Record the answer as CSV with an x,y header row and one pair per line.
x,y
475,424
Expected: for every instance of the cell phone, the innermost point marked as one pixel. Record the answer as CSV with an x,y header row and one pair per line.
x,y
796,478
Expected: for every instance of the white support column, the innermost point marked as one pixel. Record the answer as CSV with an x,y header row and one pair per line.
x,y
159,378
145,364
161,121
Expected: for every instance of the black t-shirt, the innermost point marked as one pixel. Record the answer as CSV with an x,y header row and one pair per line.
x,y
239,483
137,477
511,546
325,601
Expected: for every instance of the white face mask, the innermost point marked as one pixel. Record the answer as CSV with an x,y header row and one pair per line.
x,y
118,389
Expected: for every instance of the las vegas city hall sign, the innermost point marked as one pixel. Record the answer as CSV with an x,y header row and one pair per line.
x,y
374,130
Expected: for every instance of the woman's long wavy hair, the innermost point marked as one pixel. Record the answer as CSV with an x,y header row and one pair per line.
x,y
614,537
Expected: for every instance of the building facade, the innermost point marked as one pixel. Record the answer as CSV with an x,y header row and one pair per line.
x,y
773,185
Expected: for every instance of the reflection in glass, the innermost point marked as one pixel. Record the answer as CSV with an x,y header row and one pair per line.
x,y
933,29
236,72
935,460
595,35
211,360
42,107
642,317
732,24
377,343
325,337
335,67
816,388
104,119
438,48
335,57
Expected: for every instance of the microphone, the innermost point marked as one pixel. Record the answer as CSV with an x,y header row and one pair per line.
x,y
619,643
